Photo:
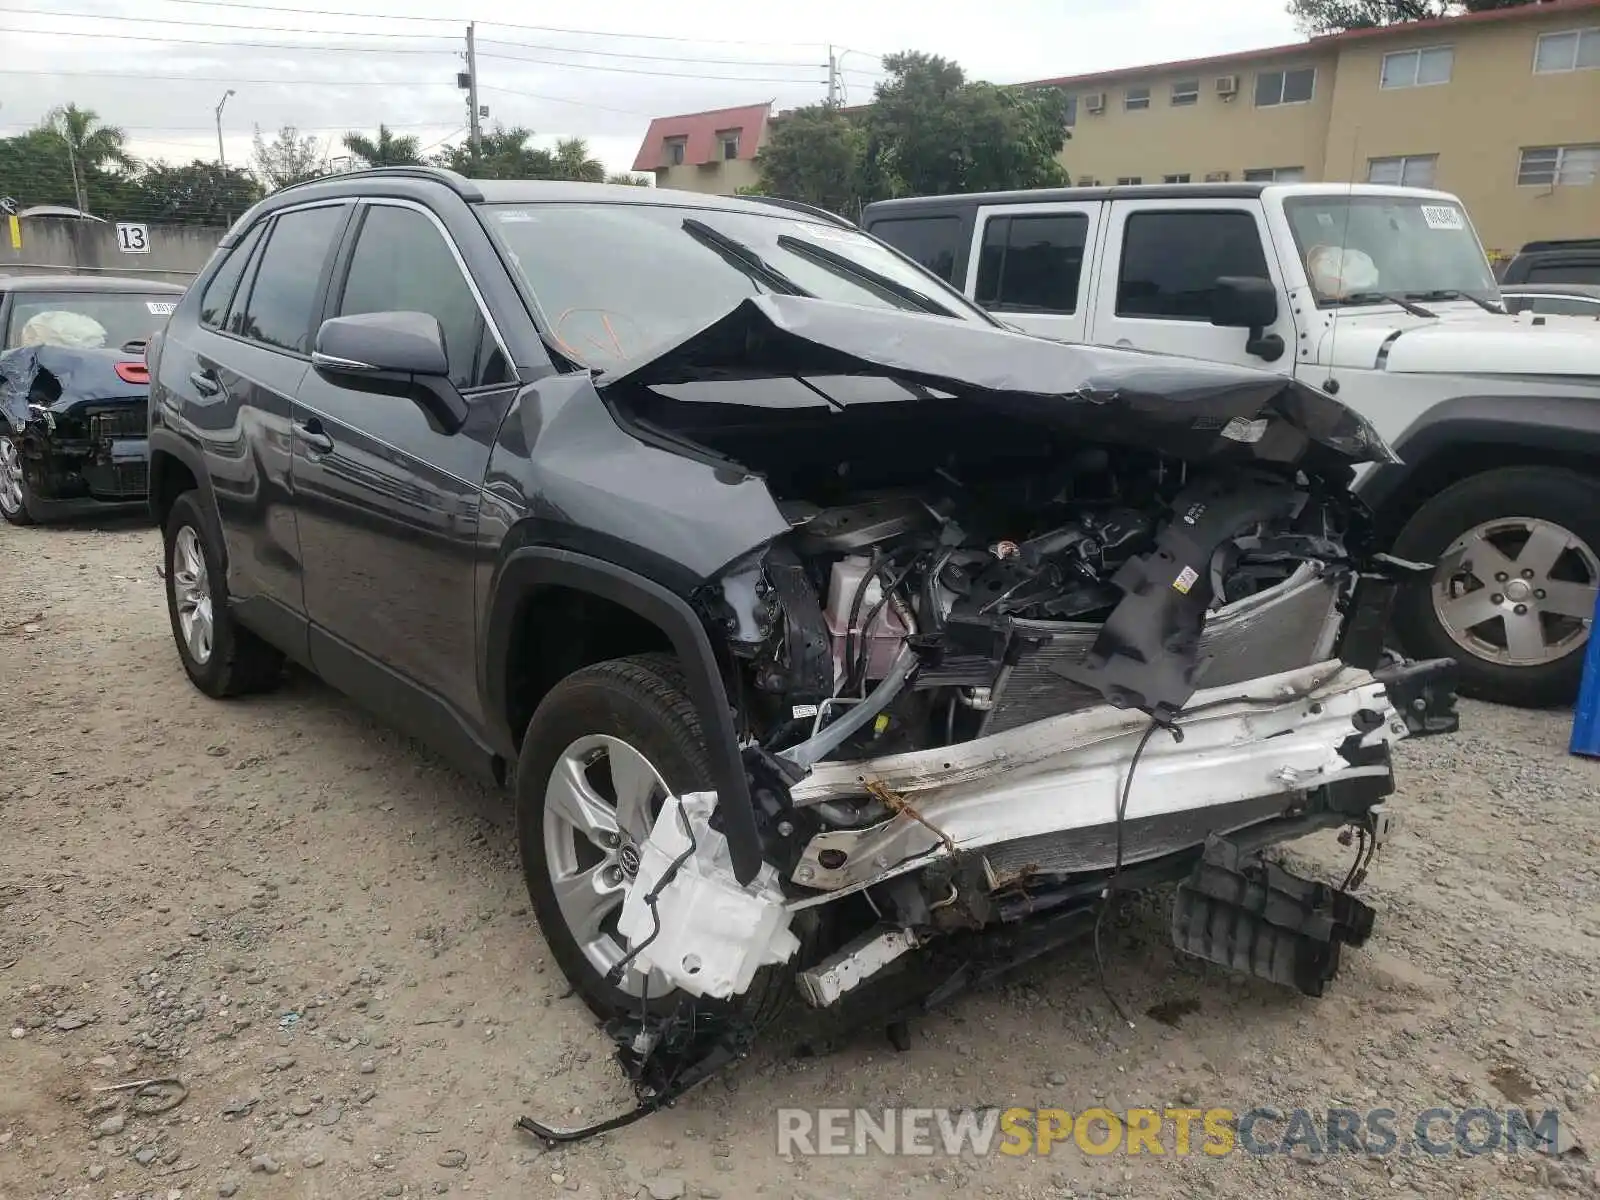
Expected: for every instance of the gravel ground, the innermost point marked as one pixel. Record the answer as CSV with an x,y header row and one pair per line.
x,y
322,932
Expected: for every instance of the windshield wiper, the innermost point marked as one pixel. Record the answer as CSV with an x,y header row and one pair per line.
x,y
742,257
1456,294
1416,310
849,269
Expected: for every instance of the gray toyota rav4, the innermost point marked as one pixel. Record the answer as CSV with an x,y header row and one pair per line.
x,y
818,624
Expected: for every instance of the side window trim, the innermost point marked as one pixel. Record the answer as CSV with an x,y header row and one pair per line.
x,y
1097,213
335,293
247,243
253,268
240,301
1265,246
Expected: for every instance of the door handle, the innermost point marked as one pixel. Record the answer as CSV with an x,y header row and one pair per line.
x,y
311,432
205,382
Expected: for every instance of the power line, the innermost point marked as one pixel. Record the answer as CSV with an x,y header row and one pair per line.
x,y
253,28
626,112
546,62
677,58
603,33
280,81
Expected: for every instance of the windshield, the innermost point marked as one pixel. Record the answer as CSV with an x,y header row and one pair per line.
x,y
617,280
86,320
1373,249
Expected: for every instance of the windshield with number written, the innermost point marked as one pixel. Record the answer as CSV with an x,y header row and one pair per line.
x,y
1383,249
615,281
86,320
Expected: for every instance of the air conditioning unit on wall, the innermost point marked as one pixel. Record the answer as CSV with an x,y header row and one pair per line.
x,y
1095,102
1227,85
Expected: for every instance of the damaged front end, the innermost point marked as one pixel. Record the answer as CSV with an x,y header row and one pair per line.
x,y
75,421
1049,622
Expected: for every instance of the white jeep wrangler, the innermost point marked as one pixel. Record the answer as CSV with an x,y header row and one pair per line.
x,y
1380,295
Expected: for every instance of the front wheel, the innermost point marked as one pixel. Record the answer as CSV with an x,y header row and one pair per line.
x,y
1513,595
605,748
13,487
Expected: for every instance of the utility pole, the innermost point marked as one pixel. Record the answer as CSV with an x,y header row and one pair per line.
x,y
833,79
472,89
222,159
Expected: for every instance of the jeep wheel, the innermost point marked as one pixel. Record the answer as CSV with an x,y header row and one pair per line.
x,y
222,657
1518,554
13,488
599,758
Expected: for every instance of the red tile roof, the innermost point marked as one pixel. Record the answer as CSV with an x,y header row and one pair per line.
x,y
699,131
1545,8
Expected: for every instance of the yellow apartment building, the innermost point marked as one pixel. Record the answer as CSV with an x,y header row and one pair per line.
x,y
1500,107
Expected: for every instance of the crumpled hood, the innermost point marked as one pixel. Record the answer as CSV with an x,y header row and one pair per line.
x,y
60,378
1461,344
1187,408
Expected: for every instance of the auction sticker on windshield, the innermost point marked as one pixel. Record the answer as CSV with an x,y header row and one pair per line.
x,y
160,308
1442,216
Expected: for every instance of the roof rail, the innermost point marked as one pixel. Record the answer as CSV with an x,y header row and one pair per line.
x,y
1561,244
459,184
801,206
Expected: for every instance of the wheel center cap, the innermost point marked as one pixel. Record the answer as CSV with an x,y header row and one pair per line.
x,y
1519,591
628,856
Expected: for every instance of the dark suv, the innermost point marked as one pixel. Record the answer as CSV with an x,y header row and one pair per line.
x,y
812,616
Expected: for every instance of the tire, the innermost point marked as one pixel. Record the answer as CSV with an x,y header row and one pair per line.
x,y
233,661
1538,520
13,487
640,702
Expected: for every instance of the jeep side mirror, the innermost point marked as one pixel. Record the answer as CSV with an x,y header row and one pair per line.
x,y
1248,302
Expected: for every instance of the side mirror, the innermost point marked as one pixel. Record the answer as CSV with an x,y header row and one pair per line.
x,y
1243,302
407,343
1248,302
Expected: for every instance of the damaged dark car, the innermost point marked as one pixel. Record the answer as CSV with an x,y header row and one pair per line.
x,y
816,622
73,388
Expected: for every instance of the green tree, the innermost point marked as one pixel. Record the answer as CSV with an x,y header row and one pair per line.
x,y
288,158
201,193
1334,16
572,160
385,149
816,154
629,178
930,132
502,154
95,147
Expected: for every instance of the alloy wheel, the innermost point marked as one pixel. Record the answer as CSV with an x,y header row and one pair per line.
x,y
191,588
10,476
600,805
1518,591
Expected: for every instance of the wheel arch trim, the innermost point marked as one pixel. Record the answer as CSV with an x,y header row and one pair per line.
x,y
530,568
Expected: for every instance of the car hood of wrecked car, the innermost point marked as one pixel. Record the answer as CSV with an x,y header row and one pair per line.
x,y
1189,408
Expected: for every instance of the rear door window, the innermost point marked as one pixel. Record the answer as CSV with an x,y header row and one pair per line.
x,y
1571,272
219,292
932,242
284,297
1032,263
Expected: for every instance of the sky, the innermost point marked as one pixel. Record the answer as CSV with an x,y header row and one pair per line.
x,y
598,70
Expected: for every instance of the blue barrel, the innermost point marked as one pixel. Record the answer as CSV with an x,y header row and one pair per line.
x,y
1586,720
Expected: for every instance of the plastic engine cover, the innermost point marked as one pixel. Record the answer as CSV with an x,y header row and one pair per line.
x,y
714,934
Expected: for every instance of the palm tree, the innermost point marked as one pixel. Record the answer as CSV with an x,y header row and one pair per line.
x,y
91,146
572,161
385,150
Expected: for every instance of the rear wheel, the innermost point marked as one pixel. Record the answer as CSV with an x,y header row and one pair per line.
x,y
1512,600
604,750
222,657
13,488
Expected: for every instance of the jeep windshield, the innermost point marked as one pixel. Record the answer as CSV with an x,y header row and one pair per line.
x,y
615,280
1366,249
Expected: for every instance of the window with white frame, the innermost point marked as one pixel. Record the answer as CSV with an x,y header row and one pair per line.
x,y
1129,180
1274,174
675,149
1549,166
1185,92
1569,50
1183,178
1136,98
728,143
1285,87
1403,170
1418,68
